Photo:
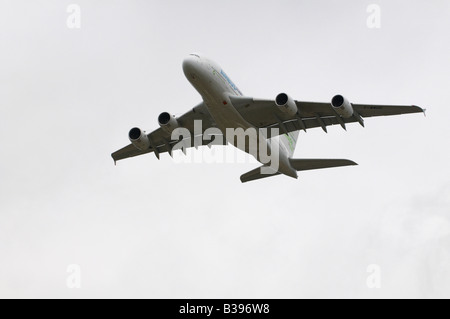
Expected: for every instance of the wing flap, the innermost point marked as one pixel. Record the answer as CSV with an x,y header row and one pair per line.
x,y
127,152
265,113
162,140
132,151
386,110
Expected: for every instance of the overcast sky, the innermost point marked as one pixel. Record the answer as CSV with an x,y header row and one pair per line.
x,y
158,229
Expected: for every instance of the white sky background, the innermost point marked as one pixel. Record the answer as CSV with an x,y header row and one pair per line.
x,y
157,229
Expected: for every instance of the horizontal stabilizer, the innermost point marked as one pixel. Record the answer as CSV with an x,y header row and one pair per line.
x,y
299,165
310,164
255,175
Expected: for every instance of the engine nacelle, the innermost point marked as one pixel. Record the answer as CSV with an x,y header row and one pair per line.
x,y
286,104
342,106
168,122
139,139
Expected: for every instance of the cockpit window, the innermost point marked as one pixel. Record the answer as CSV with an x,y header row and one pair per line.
x,y
193,54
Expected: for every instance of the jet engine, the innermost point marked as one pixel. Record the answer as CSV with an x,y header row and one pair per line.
x,y
286,104
139,139
342,106
168,122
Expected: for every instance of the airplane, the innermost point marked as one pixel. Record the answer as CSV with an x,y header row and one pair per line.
x,y
225,107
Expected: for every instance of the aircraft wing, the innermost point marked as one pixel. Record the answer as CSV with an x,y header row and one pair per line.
x,y
265,114
161,140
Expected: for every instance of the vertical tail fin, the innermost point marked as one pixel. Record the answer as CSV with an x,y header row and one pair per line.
x,y
290,141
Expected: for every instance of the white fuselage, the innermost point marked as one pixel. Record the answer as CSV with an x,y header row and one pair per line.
x,y
215,87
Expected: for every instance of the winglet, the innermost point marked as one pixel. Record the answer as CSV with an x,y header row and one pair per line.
x,y
419,109
424,112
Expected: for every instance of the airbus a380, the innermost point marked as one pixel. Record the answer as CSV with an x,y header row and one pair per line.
x,y
277,122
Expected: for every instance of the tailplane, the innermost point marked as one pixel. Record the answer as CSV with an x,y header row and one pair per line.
x,y
299,165
255,174
290,141
310,164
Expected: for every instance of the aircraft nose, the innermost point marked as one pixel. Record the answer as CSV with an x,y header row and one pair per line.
x,y
190,65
